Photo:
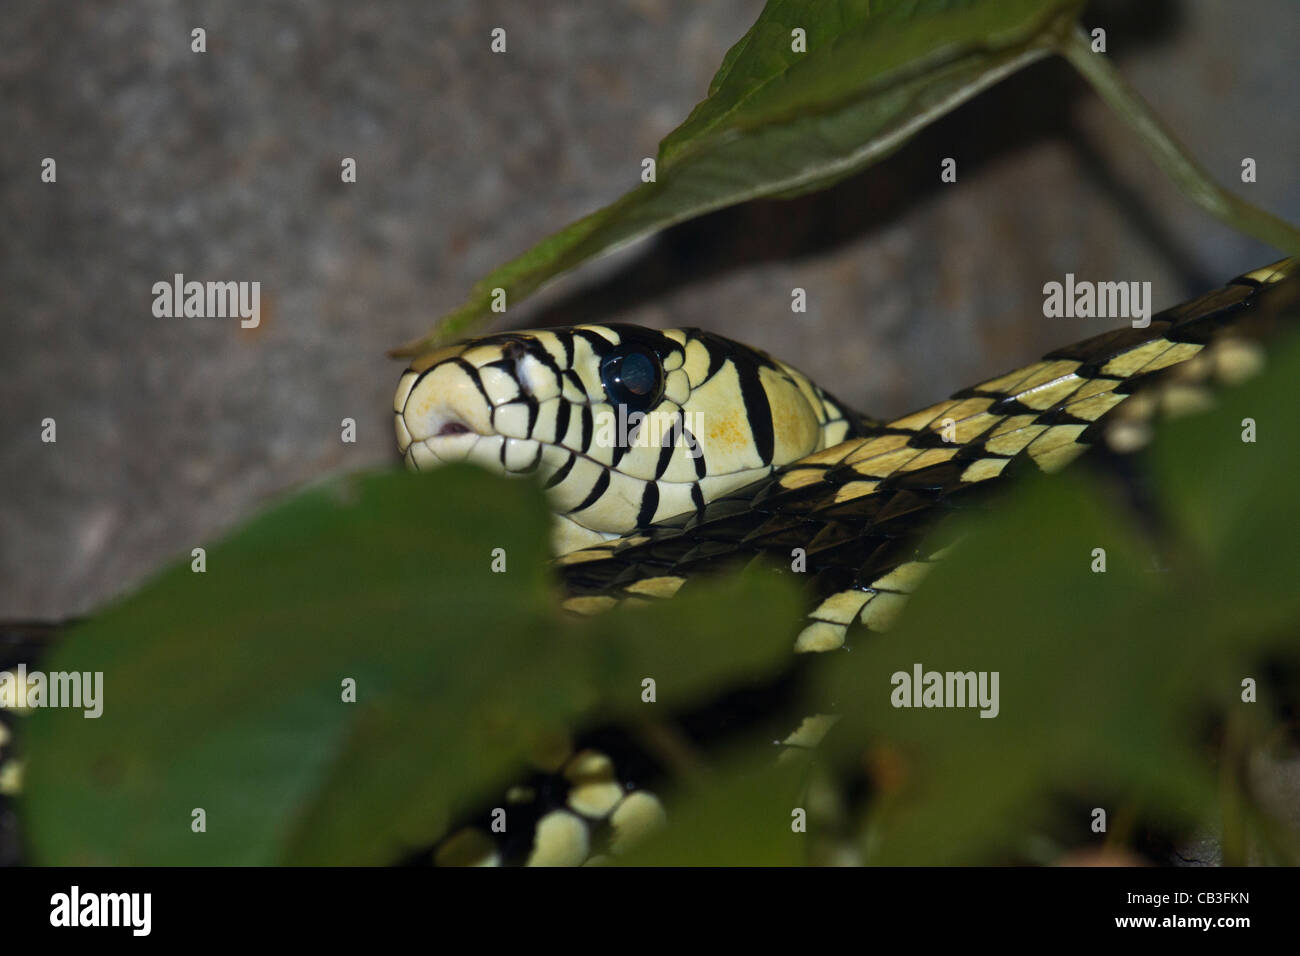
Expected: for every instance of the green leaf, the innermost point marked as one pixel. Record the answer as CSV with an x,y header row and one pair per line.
x,y
1235,501
1084,682
741,815
722,632
223,689
777,122
1107,681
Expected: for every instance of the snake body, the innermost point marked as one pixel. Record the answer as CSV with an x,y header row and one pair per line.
x,y
671,455
863,503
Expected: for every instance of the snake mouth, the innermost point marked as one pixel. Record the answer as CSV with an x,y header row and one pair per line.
x,y
510,457
455,441
441,417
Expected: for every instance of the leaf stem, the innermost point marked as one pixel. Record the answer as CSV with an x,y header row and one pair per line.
x,y
1170,155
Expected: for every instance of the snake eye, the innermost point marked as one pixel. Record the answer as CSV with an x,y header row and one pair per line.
x,y
632,376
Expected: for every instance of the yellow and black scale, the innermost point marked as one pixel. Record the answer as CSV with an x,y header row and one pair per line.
x,y
778,465
720,455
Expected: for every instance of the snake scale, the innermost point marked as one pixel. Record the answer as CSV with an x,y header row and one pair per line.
x,y
778,465
672,455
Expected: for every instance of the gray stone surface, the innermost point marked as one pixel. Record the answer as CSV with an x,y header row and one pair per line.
x,y
225,165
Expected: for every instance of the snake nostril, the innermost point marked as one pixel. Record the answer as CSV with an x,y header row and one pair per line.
x,y
452,428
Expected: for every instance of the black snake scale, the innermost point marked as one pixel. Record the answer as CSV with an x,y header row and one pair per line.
x,y
867,515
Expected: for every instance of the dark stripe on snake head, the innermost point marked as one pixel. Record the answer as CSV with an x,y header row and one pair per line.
x,y
758,410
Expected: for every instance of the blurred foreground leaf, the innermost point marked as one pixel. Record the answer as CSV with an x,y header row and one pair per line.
x,y
223,690
1107,681
738,816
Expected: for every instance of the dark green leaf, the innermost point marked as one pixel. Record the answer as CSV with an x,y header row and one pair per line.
x,y
223,690
1107,681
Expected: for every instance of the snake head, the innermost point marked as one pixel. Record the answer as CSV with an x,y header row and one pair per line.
x,y
625,425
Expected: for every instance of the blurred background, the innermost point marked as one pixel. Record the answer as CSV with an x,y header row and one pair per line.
x,y
226,166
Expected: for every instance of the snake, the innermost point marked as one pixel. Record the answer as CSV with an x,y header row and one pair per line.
x,y
716,455
670,456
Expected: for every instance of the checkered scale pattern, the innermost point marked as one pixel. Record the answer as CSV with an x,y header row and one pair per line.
x,y
868,512
723,415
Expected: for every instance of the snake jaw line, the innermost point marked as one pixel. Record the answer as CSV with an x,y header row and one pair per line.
x,y
626,426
